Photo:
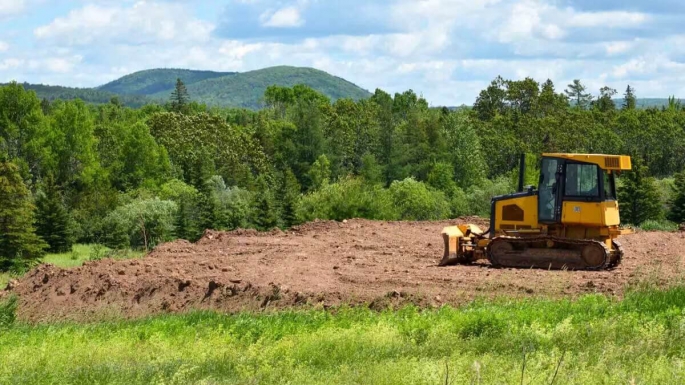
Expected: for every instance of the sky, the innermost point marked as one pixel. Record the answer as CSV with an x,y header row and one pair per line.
x,y
445,50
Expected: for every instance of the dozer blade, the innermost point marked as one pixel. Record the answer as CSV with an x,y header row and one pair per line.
x,y
547,252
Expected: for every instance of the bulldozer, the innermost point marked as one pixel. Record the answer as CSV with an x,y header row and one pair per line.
x,y
570,221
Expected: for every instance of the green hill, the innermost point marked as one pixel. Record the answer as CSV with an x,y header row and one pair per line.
x,y
157,80
247,89
90,95
223,89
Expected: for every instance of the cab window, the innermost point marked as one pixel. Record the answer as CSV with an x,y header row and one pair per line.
x,y
582,180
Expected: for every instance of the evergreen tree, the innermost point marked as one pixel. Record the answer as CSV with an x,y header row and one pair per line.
x,y
629,99
576,92
53,222
207,209
45,106
677,212
179,97
182,226
266,210
639,197
19,244
290,198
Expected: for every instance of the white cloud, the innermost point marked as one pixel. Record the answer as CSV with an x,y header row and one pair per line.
x,y
10,63
143,22
11,7
4,46
288,17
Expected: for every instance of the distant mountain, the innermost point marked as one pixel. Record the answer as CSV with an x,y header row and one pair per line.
x,y
150,82
644,103
247,89
90,95
224,89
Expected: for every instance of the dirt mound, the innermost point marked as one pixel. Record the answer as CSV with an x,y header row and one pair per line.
x,y
323,264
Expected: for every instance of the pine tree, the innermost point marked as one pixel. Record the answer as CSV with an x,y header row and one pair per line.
x,y
290,198
181,225
639,197
19,244
180,97
629,99
45,106
266,210
207,209
576,92
677,212
53,222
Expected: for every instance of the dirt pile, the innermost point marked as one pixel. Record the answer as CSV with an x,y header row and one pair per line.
x,y
317,264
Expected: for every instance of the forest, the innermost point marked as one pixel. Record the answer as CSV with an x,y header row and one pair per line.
x,y
72,172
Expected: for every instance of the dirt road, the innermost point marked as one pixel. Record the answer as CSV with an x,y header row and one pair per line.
x,y
376,264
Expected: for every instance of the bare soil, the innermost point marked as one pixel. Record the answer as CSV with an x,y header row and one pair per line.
x,y
320,264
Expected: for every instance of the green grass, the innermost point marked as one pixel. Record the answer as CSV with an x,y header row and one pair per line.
x,y
82,253
639,340
660,225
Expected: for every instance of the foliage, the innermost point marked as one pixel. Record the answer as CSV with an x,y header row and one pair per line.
x,y
142,223
478,198
639,197
54,224
228,168
346,199
415,201
19,244
677,212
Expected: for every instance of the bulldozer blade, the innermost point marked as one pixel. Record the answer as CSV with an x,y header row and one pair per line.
x,y
449,260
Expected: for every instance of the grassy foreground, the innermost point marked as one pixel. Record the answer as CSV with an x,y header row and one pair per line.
x,y
639,340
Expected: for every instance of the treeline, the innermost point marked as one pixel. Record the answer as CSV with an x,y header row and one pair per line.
x,y
71,172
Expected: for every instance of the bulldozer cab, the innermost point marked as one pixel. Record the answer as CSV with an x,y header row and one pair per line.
x,y
568,178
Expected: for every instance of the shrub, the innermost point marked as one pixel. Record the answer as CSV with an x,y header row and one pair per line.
x,y
348,198
415,201
479,197
233,206
143,223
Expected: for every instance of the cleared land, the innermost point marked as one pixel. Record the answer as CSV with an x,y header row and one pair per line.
x,y
320,264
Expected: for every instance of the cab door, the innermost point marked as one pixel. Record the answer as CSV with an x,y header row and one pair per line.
x,y
549,198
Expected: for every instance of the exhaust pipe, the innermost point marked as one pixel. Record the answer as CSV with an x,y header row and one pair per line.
x,y
522,172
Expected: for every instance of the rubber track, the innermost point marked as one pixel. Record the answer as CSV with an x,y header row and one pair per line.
x,y
607,253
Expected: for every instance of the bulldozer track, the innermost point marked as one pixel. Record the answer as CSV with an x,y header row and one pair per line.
x,y
549,252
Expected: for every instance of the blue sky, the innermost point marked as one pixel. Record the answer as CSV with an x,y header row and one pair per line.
x,y
446,50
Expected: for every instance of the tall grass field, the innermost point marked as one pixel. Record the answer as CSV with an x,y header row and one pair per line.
x,y
592,340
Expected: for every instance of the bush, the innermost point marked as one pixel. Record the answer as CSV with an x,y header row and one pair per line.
x,y
659,225
348,198
480,197
143,223
233,206
415,201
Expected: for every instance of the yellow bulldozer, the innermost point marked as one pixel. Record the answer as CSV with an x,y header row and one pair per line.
x,y
570,221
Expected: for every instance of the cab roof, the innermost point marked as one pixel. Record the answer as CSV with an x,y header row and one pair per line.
x,y
605,162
